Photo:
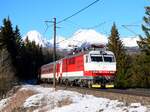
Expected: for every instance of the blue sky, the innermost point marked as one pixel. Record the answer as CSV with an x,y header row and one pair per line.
x,y
31,14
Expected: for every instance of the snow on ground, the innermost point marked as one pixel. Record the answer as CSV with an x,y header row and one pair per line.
x,y
48,100
3,103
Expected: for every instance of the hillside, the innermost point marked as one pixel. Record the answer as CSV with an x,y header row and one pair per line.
x,y
31,98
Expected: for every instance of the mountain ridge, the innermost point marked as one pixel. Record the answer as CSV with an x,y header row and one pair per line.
x,y
79,38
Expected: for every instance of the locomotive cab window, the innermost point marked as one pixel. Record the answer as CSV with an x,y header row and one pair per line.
x,y
109,58
96,58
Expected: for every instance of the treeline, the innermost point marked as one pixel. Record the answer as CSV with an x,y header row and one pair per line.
x,y
19,60
133,71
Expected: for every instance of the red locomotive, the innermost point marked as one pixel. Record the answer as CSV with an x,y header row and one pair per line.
x,y
94,68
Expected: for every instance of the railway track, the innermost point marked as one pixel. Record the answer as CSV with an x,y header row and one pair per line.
x,y
135,92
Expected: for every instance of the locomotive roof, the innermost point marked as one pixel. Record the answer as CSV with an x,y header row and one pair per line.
x,y
100,52
81,53
89,52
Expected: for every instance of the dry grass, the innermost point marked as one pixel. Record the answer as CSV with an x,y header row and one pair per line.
x,y
61,103
16,101
18,97
64,102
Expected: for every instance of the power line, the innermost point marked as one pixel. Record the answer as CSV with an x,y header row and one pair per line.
x,y
127,28
73,24
78,12
47,26
96,26
45,30
91,27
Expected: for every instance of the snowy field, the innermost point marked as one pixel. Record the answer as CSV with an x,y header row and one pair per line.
x,y
48,100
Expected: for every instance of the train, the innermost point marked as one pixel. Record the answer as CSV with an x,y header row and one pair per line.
x,y
90,68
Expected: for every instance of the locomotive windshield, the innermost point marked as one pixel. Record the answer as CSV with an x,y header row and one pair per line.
x,y
108,58
102,58
96,59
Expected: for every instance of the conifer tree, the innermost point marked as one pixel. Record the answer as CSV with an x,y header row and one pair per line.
x,y
7,34
7,73
7,40
139,73
33,59
116,46
144,43
10,39
114,43
7,56
143,61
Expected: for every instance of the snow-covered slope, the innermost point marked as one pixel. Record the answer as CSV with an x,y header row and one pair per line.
x,y
47,100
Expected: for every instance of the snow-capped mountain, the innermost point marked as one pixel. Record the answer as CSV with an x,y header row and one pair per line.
x,y
79,38
84,37
130,41
89,36
37,37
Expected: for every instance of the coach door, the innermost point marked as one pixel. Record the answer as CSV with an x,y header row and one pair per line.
x,y
60,69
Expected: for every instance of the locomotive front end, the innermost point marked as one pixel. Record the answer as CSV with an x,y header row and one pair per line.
x,y
101,67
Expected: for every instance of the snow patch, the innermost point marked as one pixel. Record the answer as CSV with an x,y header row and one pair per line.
x,y
3,103
49,100
34,101
77,102
135,105
38,89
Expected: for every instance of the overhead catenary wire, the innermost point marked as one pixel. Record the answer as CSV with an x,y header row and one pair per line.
x,y
92,27
67,18
45,30
126,27
133,25
47,27
73,24
77,12
96,26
